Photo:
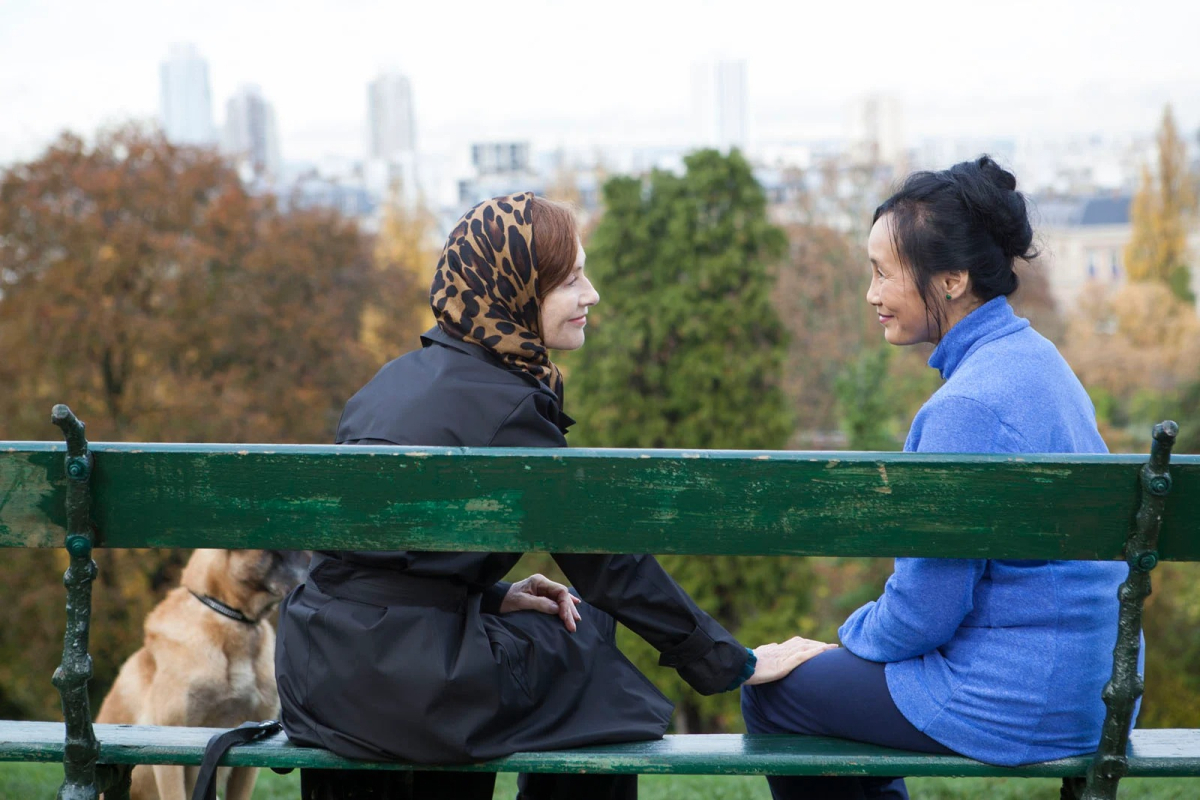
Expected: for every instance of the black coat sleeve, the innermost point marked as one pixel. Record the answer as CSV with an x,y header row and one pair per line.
x,y
493,597
637,592
635,589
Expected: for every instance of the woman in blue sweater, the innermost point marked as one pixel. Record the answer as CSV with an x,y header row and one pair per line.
x,y
1001,661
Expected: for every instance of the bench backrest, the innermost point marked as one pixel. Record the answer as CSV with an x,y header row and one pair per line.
x,y
703,502
576,500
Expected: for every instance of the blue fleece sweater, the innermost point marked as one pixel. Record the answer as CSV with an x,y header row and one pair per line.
x,y
1002,661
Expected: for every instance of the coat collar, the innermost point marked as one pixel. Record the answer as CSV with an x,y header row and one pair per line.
x,y
436,335
992,320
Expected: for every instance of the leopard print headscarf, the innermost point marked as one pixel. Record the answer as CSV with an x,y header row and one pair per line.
x,y
485,290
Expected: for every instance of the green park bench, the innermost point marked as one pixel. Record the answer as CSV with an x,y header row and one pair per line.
x,y
695,502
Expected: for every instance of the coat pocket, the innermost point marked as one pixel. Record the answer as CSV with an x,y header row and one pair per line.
x,y
512,653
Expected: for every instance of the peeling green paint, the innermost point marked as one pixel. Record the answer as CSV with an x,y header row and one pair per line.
x,y
724,503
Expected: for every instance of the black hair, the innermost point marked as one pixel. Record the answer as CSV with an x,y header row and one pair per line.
x,y
969,217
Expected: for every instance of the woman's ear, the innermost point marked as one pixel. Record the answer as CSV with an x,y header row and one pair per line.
x,y
956,284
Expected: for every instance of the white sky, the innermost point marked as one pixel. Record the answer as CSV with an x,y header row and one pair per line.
x,y
578,73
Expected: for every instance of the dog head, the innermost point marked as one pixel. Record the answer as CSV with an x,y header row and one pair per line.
x,y
251,581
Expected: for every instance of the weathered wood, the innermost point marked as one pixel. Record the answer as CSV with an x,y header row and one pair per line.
x,y
33,494
711,502
1151,753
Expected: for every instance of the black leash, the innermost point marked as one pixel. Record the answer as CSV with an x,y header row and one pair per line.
x,y
219,744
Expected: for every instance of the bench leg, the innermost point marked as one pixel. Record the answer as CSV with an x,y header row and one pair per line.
x,y
71,678
1125,686
549,786
115,781
1072,788
348,784
335,784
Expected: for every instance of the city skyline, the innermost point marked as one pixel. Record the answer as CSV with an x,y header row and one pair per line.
x,y
576,78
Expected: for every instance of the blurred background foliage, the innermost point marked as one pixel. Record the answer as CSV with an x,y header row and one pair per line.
x,y
142,284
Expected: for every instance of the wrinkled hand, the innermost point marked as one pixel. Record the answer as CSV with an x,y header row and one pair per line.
x,y
776,661
539,593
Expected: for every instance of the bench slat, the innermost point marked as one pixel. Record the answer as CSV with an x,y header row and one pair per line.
x,y
1151,753
717,502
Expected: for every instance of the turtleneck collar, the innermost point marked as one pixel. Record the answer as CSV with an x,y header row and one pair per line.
x,y
990,321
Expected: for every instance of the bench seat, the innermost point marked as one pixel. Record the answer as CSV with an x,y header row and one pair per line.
x,y
1152,753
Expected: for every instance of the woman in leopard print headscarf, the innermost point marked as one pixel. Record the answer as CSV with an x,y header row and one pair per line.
x,y
487,286
445,672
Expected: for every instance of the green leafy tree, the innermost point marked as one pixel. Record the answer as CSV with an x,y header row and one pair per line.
x,y
866,408
687,351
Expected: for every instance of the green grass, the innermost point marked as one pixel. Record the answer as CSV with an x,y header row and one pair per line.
x,y
34,781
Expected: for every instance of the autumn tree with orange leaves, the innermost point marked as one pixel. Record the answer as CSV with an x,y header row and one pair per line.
x,y
145,287
141,284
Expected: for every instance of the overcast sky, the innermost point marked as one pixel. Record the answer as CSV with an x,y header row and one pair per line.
x,y
578,73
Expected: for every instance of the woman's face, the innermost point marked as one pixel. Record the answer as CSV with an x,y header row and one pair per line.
x,y
565,309
893,292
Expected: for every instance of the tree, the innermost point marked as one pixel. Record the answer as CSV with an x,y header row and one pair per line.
x,y
406,251
820,296
686,350
867,410
145,287
1136,351
1161,211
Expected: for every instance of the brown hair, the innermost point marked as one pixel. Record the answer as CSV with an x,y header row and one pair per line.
x,y
555,242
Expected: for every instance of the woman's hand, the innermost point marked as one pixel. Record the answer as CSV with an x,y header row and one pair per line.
x,y
539,593
776,661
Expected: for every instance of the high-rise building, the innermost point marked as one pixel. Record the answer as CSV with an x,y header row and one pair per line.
x,y
391,163
390,112
719,103
875,130
184,98
251,134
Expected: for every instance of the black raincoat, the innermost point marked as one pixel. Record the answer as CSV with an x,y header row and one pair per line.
x,y
404,655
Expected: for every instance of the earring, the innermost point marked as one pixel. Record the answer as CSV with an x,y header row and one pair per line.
x,y
948,296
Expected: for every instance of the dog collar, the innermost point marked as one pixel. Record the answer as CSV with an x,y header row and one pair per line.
x,y
222,609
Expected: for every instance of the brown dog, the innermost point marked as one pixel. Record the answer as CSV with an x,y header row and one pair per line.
x,y
208,659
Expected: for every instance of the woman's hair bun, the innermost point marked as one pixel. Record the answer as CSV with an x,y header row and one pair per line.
x,y
968,217
997,174
990,194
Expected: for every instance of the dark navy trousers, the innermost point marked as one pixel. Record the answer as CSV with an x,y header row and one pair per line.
x,y
835,694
